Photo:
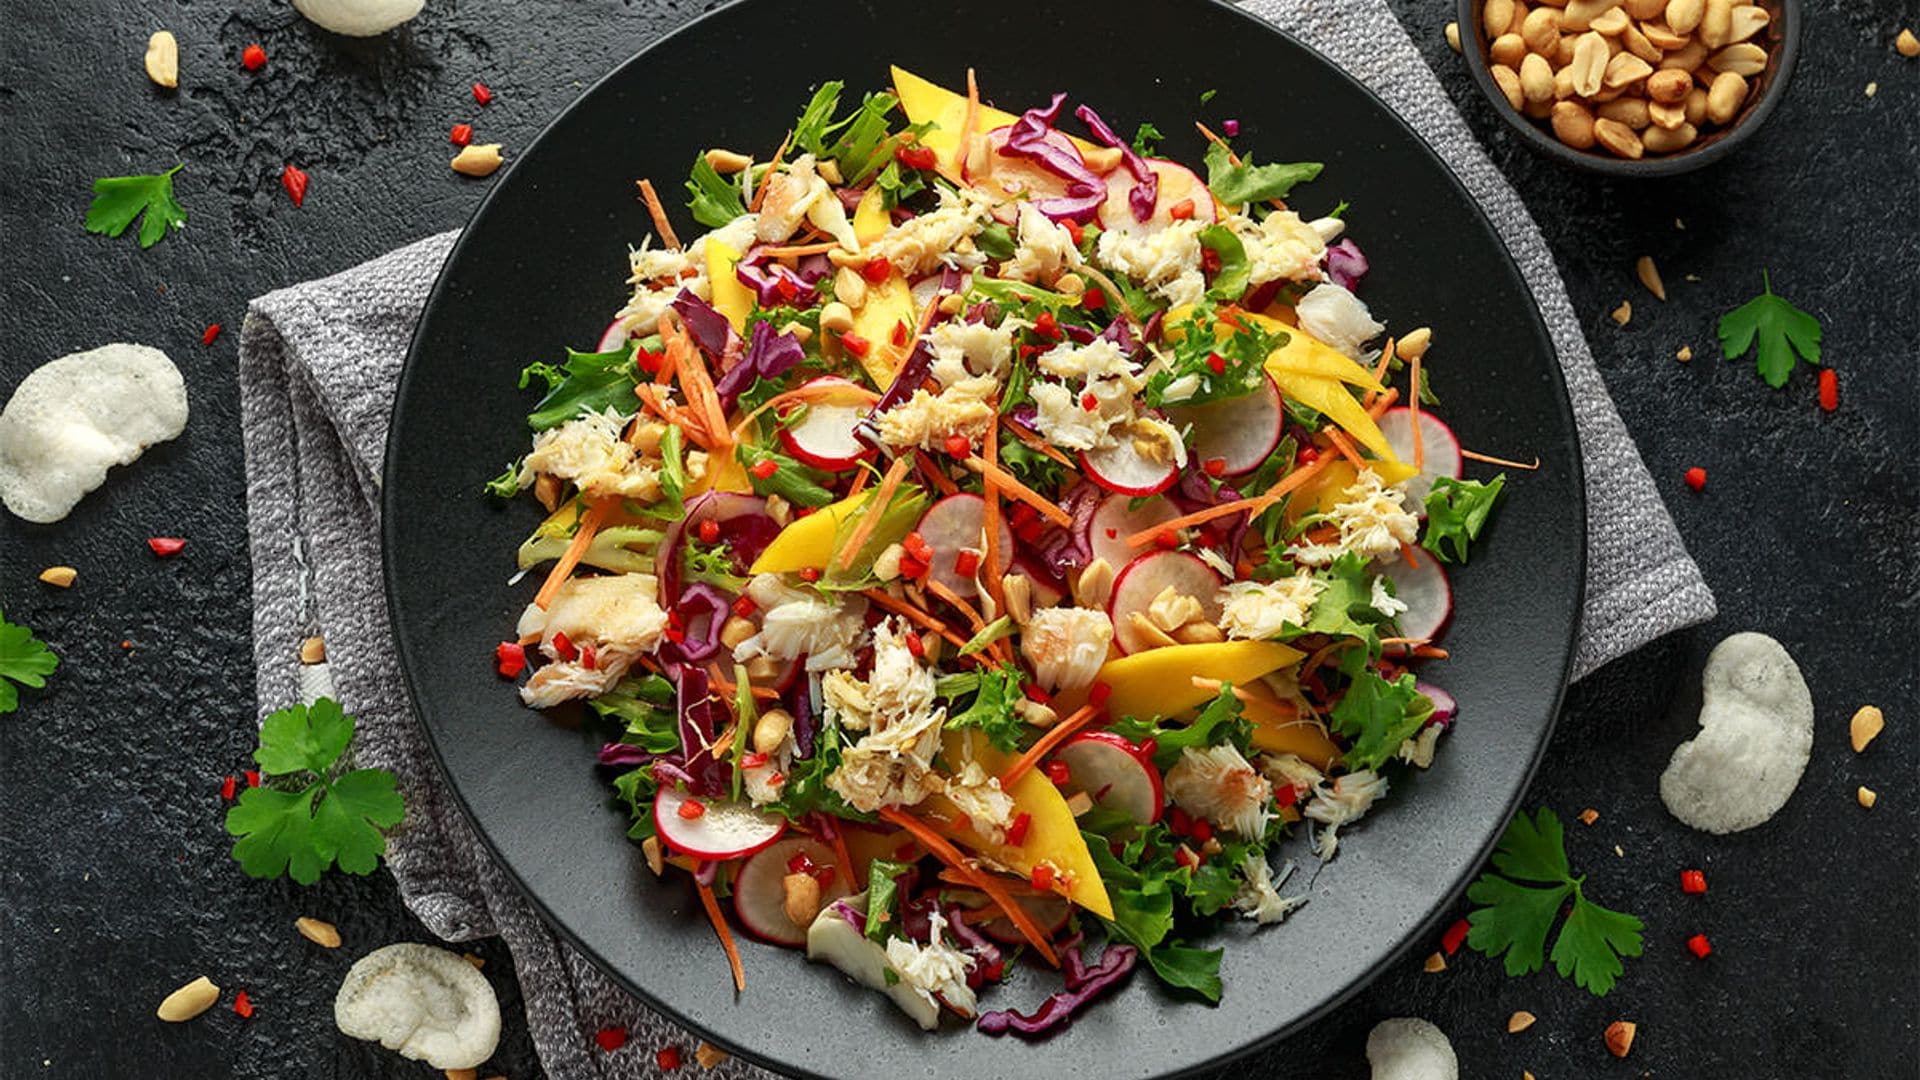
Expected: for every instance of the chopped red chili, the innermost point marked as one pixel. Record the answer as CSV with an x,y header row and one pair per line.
x,y
1046,326
164,546
1181,210
710,530
1216,363
809,573
461,135
902,333
764,468
563,646
668,1058
917,157
1209,260
253,777
1286,795
1075,230
510,659
691,809
227,785
1089,402
1693,882
912,568
481,94
1215,467
752,760
855,344
1166,539
1455,935
588,659
210,334
966,563
1829,389
253,58
611,1039
1042,876
1017,832
1185,857
1058,772
1202,830
917,647
958,446
1036,693
876,270
917,546
294,179
1099,694
1697,478
1179,822
745,607
1699,946
1093,299
243,1005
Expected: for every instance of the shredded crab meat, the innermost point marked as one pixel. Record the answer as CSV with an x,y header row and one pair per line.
x,y
797,623
936,971
1045,249
1259,611
1373,522
1165,261
1342,802
617,616
591,452
892,763
1280,247
1259,897
1337,317
1218,784
926,242
1066,646
989,809
927,420
963,351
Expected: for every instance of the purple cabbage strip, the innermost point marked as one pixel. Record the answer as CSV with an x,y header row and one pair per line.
x,y
1057,1011
765,282
911,376
1195,492
1027,138
1079,335
748,529
700,723
1146,189
623,754
813,267
805,724
669,772
702,608
1346,265
710,329
1120,334
1063,550
850,197
1155,323
989,961
769,355
853,915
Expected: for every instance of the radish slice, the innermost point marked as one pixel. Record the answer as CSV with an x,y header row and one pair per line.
x,y
613,337
1047,589
760,895
1145,578
1010,180
1114,520
1239,432
1177,183
824,437
724,829
1445,708
1440,451
954,524
1115,774
924,290
1428,597
1123,469
1048,912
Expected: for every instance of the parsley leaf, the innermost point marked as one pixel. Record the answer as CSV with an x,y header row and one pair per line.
x,y
507,484
1513,918
1207,367
1345,607
1456,512
1146,139
1377,715
1250,183
336,818
117,200
995,242
1781,328
586,382
713,199
1219,722
24,659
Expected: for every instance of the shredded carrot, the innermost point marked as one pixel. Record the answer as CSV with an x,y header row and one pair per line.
x,y
1347,449
859,483
972,613
1382,403
876,506
1256,505
841,853
660,223
1407,553
1054,737
570,558
943,849
795,250
805,393
990,524
720,927
766,179
913,614
1380,371
1430,652
1413,410
726,687
1013,887
1002,478
934,474
1491,460
1039,445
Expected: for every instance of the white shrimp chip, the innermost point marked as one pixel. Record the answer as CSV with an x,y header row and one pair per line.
x,y
1756,735
425,1002
1406,1048
73,418
358,18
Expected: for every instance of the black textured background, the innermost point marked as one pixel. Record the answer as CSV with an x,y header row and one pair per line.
x,y
114,881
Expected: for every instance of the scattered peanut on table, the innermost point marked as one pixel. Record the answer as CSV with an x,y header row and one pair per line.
x,y
1635,77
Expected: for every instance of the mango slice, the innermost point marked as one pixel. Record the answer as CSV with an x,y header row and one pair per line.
x,y
730,297
930,103
1159,682
887,306
870,220
808,541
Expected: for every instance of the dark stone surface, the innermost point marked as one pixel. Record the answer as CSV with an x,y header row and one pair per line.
x,y
114,881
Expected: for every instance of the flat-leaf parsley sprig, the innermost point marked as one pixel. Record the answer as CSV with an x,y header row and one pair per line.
x,y
117,200
1514,913
313,816
24,659
1780,329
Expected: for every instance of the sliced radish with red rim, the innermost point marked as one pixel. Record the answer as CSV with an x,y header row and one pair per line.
x,y
823,437
1445,708
1149,575
613,337
1240,432
1427,594
1178,184
1439,452
1123,469
759,892
720,829
1114,773
1012,180
1116,518
954,524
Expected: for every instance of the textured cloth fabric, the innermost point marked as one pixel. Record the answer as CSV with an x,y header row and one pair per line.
x,y
318,363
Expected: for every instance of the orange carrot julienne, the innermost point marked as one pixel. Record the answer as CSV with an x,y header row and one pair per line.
x,y
1383,402
1255,505
859,484
1380,371
659,213
1489,459
934,474
766,179
1036,443
943,849
841,853
972,613
570,558
1055,735
712,904
876,506
1018,490
990,523
1430,652
1347,449
1413,411
914,615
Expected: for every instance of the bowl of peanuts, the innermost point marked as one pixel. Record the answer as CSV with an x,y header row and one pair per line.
x,y
1631,87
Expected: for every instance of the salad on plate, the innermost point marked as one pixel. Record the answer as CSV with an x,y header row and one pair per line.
x,y
992,539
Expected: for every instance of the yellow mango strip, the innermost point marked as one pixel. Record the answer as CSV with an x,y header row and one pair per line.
x,y
730,297
927,102
1278,727
808,541
1159,682
870,221
887,306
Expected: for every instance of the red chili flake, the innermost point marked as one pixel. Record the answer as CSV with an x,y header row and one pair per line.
x,y
253,777
876,270
563,646
786,287
1030,532
1099,694
1214,467
764,468
912,568
1180,822
1166,540
1202,830
649,361
958,446
691,809
227,786
253,58
1181,210
1017,832
855,344
809,574
966,563
461,135
1046,326
1042,876
1075,231
1216,363
243,1004
1022,514
1093,299
1209,260
510,659
210,334
1113,534
917,157
1693,882
1089,402
294,179
902,333
1699,946
164,546
917,546
775,779
481,94
745,607
1231,127
1185,857
1829,389
710,529
587,658
1057,772
1697,478
917,647
611,1039
1455,935
1287,795
1307,455
752,760
1035,693
801,863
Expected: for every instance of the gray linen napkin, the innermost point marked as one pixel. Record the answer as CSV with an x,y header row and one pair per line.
x,y
317,365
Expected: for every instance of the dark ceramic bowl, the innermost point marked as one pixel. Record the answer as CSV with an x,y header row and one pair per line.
x,y
1781,39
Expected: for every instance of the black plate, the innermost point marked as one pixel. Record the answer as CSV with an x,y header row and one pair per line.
x,y
542,265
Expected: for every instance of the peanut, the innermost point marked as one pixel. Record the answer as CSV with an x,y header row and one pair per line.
x,y
1415,344
1619,139
1102,159
1620,1037
1696,107
1747,20
656,857
1632,112
1649,275
1611,23
1642,10
1507,49
1621,316
836,317
1907,45
727,162
477,160
1662,37
1683,16
710,1056
1716,23
1725,96
762,668
1453,36
1745,58
1563,84
1637,44
1563,55
1541,31
800,898
1496,17
1624,70
318,931
1537,110
736,630
771,730
1435,964
1573,125
313,650
1665,140
849,287
163,59
1018,589
1666,117
1536,78
1865,727
1520,1021
1199,632
1669,87
1581,13
189,1001
60,577
1589,65
1686,58
1866,797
